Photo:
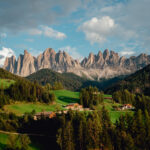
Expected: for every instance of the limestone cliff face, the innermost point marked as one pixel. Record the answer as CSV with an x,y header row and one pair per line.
x,y
103,65
27,64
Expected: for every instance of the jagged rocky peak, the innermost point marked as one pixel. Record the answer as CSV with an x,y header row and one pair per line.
x,y
10,63
99,53
49,51
66,55
27,54
106,54
91,55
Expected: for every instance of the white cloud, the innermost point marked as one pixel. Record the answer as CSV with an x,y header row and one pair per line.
x,y
5,52
35,32
126,53
29,40
72,51
3,35
49,32
98,29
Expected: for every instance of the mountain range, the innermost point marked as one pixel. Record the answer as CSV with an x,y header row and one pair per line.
x,y
102,65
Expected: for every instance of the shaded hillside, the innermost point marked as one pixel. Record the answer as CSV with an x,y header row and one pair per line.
x,y
69,80
139,82
4,74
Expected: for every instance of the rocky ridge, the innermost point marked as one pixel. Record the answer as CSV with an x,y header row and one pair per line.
x,y
103,65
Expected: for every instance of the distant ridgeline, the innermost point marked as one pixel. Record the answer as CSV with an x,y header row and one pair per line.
x,y
22,90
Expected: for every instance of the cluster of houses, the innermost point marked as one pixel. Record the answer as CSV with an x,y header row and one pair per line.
x,y
125,107
75,106
71,106
39,115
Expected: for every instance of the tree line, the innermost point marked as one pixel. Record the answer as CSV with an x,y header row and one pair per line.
x,y
56,86
23,90
90,97
123,97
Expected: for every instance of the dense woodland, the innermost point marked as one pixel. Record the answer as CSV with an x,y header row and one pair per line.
x,y
90,97
124,97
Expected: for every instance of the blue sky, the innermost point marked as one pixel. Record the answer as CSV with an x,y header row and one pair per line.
x,y
76,26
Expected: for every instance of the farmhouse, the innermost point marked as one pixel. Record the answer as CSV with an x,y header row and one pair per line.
x,y
74,106
127,106
44,114
107,97
96,93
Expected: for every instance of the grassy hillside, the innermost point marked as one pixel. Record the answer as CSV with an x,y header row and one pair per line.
x,y
23,107
64,97
139,82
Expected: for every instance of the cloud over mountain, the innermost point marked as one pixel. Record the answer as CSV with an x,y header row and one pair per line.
x,y
5,52
98,29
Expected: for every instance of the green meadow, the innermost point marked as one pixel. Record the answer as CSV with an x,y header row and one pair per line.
x,y
63,97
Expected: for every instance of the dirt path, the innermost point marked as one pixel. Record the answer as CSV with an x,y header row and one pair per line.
x,y
29,134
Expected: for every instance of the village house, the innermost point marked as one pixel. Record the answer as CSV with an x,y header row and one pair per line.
x,y
44,114
108,98
127,106
96,93
74,106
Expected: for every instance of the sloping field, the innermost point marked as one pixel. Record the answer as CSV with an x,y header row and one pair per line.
x,y
64,97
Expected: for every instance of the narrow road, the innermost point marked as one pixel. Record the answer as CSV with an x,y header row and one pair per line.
x,y
29,134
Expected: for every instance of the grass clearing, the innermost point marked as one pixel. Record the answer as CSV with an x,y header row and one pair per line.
x,y
20,108
64,97
6,83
